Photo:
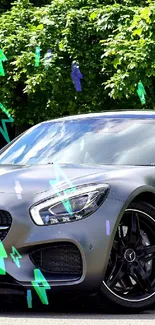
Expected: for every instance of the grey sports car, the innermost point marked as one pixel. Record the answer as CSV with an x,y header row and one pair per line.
x,y
77,209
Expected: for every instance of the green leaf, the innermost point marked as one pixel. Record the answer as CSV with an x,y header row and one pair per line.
x,y
138,31
41,26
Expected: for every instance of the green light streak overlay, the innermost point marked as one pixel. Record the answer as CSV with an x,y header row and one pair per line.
x,y
4,130
53,183
41,290
3,254
14,257
141,92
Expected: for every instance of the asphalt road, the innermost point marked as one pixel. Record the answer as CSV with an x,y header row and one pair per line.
x,y
15,312
77,320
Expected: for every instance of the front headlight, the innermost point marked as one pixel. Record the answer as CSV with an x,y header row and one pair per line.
x,y
70,205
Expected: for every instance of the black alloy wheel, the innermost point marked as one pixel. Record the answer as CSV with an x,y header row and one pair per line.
x,y
130,276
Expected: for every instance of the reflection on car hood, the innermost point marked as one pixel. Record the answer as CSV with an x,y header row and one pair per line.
x,y
35,178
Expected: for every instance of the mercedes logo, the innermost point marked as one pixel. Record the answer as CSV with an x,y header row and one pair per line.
x,y
130,255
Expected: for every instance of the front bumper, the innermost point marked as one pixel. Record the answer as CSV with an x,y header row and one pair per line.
x,y
89,235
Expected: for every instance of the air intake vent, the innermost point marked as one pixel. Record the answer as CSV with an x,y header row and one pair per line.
x,y
5,223
59,259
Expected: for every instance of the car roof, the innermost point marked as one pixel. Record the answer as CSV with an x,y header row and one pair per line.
x,y
140,114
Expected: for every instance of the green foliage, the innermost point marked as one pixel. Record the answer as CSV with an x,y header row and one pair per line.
x,y
129,53
113,41
67,28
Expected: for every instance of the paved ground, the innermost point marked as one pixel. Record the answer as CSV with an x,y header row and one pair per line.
x,y
15,312
77,320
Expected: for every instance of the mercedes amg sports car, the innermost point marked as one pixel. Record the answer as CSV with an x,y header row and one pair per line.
x,y
77,209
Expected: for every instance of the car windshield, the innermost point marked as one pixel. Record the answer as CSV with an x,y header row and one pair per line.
x,y
86,140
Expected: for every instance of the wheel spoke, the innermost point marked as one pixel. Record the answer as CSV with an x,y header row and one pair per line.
x,y
148,250
127,281
141,278
116,275
113,263
134,229
115,246
148,258
121,235
146,253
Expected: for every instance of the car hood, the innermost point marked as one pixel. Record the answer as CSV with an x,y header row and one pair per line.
x,y
37,178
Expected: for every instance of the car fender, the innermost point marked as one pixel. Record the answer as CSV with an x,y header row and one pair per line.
x,y
127,191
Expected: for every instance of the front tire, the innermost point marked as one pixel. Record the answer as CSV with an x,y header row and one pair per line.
x,y
129,283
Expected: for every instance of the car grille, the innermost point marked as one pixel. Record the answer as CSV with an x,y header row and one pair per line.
x,y
59,259
5,223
